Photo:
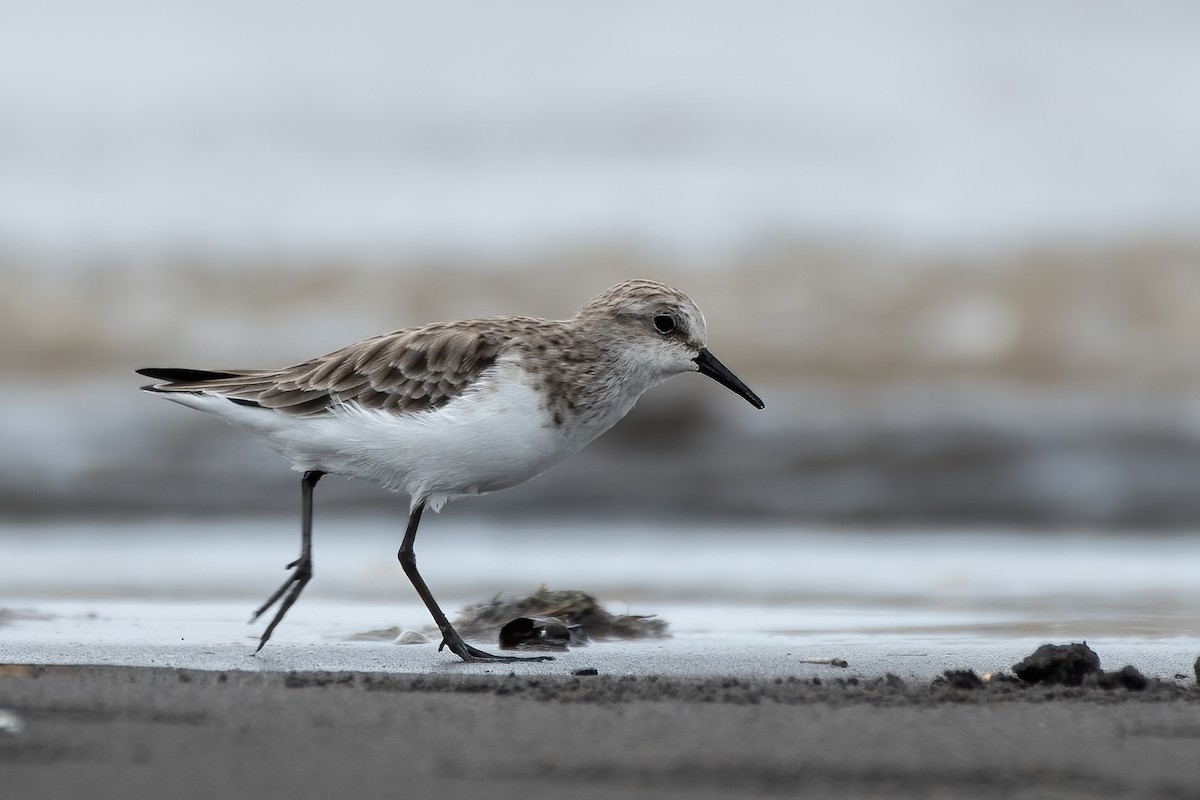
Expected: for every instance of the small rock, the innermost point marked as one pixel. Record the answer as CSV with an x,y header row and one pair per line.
x,y
963,679
586,671
1128,677
10,723
998,678
411,637
1065,664
1196,669
378,635
537,633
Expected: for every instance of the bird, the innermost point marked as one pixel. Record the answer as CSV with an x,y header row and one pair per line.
x,y
447,410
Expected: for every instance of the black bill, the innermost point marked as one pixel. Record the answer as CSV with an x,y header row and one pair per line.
x,y
708,365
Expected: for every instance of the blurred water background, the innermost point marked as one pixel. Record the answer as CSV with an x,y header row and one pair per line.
x,y
954,247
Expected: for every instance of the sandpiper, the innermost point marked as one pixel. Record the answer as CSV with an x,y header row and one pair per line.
x,y
454,409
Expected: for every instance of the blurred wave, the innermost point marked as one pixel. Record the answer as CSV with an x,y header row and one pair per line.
x,y
1056,387
1047,315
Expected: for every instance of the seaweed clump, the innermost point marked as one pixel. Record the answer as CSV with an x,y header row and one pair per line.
x,y
576,610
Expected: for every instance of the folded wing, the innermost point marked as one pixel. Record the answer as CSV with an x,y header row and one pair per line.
x,y
410,370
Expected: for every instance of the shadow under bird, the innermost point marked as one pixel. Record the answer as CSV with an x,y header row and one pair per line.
x,y
454,409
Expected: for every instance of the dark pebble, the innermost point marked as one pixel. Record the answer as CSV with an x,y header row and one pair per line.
x,y
963,679
1127,677
1065,664
538,633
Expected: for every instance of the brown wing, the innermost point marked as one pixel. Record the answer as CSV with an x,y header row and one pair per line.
x,y
410,370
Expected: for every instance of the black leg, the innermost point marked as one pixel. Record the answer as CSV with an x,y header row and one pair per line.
x,y
450,637
302,572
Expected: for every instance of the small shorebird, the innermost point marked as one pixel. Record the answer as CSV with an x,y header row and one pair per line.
x,y
453,409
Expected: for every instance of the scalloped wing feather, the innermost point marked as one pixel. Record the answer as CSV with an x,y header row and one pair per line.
x,y
415,369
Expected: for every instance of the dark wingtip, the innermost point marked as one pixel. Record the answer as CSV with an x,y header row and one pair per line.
x,y
181,375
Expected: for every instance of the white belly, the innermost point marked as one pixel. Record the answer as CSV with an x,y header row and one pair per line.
x,y
486,440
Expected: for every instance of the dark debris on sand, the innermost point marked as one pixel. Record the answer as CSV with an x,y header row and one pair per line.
x,y
591,686
1053,672
586,686
1075,665
540,633
1065,664
575,609
960,679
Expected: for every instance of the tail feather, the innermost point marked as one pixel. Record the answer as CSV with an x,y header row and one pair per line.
x,y
192,381
180,384
243,388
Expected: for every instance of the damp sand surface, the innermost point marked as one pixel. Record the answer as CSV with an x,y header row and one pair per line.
x,y
128,667
127,732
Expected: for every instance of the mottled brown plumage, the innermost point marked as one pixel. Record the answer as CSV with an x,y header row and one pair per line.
x,y
414,369
423,368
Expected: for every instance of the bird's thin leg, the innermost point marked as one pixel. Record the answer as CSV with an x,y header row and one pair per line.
x,y
450,637
301,567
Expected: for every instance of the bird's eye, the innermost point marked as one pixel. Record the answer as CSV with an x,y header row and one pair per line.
x,y
664,323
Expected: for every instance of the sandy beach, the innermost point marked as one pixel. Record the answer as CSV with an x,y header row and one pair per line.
x,y
133,680
143,732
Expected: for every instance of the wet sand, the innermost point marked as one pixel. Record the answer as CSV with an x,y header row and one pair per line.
x,y
153,732
734,704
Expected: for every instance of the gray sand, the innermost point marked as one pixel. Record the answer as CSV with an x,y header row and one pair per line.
x,y
125,732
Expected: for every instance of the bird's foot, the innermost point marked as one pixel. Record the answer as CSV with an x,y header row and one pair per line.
x,y
289,592
474,655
